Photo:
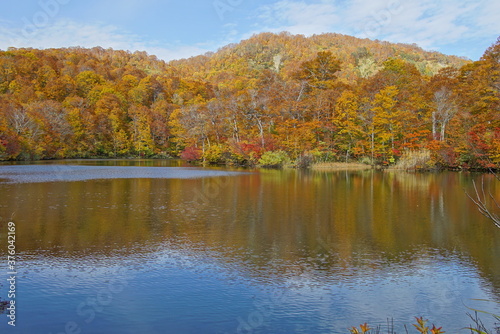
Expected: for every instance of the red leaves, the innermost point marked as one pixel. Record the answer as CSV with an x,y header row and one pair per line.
x,y
191,154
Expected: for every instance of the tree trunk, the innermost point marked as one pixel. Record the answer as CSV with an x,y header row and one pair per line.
x,y
443,131
236,131
261,130
434,126
373,146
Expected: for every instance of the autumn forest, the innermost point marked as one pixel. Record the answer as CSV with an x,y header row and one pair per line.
x,y
325,98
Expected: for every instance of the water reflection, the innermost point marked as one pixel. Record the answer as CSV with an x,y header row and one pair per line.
x,y
320,250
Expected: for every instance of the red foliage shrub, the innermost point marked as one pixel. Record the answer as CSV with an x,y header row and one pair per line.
x,y
191,153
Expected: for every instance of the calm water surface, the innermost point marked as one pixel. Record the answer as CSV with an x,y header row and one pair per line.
x,y
158,247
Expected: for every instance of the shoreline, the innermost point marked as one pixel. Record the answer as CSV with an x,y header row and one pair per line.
x,y
320,166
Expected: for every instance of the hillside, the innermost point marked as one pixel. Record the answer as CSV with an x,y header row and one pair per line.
x,y
327,97
284,52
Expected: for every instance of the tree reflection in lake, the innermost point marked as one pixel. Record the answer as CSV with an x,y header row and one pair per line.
x,y
341,248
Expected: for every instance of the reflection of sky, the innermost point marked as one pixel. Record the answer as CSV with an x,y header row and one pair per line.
x,y
190,292
439,292
52,173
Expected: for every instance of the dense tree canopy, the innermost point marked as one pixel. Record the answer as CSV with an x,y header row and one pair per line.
x,y
331,97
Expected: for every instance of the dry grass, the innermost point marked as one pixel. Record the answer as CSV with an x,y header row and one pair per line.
x,y
340,166
412,160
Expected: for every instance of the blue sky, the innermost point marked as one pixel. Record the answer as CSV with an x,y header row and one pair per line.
x,y
178,29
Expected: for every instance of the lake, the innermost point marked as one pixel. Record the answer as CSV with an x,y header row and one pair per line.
x,y
157,246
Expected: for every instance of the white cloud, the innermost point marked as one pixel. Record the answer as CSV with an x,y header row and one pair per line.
x,y
299,17
490,16
66,33
428,23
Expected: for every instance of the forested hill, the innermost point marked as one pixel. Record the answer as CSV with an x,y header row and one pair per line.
x,y
327,97
285,52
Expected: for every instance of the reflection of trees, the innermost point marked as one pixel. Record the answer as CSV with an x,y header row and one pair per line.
x,y
314,220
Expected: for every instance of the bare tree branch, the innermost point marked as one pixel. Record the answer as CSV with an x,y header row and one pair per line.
x,y
480,200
